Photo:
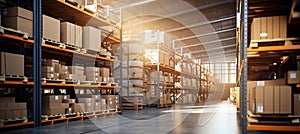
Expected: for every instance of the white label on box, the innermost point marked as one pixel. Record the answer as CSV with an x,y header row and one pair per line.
x,y
51,75
96,103
260,83
110,102
89,104
51,69
293,75
56,97
65,97
89,99
260,108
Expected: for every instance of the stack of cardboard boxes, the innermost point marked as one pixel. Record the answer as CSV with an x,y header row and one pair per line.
x,y
9,109
294,78
51,69
93,74
76,73
21,19
112,101
53,105
71,34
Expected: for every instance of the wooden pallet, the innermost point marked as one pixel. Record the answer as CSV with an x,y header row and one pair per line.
x,y
13,121
268,119
13,78
54,43
52,117
4,30
51,80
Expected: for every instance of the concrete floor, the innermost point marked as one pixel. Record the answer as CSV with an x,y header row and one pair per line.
x,y
210,119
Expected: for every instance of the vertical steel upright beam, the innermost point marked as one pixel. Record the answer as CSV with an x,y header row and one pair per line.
x,y
37,55
121,60
243,82
158,74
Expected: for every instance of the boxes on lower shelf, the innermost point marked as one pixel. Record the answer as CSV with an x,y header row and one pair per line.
x,y
9,109
271,100
296,104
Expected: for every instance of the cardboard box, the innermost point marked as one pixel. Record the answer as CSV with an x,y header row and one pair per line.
x,y
95,74
12,68
97,106
2,114
293,77
22,106
65,97
9,114
285,100
91,38
136,83
76,70
18,18
136,73
78,107
52,99
268,100
259,100
12,106
67,33
17,113
104,72
69,101
47,69
50,62
296,104
65,105
50,75
276,100
78,36
51,105
51,28
97,98
55,111
94,78
86,100
24,113
90,106
7,99
92,70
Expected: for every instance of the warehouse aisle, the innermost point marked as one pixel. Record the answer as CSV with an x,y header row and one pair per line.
x,y
211,119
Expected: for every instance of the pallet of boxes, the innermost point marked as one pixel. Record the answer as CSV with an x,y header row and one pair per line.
x,y
11,111
271,100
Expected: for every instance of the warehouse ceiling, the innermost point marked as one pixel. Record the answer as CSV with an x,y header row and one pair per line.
x,y
202,29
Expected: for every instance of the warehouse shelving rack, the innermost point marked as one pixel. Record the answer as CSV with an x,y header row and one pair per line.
x,y
64,11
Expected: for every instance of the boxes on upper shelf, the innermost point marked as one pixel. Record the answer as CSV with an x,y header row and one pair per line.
x,y
104,72
12,64
18,18
76,70
293,77
71,34
51,28
91,38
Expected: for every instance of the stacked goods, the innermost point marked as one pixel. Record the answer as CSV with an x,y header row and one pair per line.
x,y
19,19
91,38
93,74
9,109
293,77
112,101
296,104
135,73
76,73
271,99
105,73
156,76
89,104
71,34
51,69
8,67
194,83
52,105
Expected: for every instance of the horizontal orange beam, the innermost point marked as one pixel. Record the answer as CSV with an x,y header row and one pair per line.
x,y
274,48
272,128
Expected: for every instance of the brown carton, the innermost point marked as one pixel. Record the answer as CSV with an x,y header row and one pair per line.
x,y
17,113
78,107
2,114
9,114
52,99
65,105
51,28
47,69
65,97
67,33
276,100
91,38
285,100
24,113
259,100
296,104
97,106
11,68
18,18
293,77
268,99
